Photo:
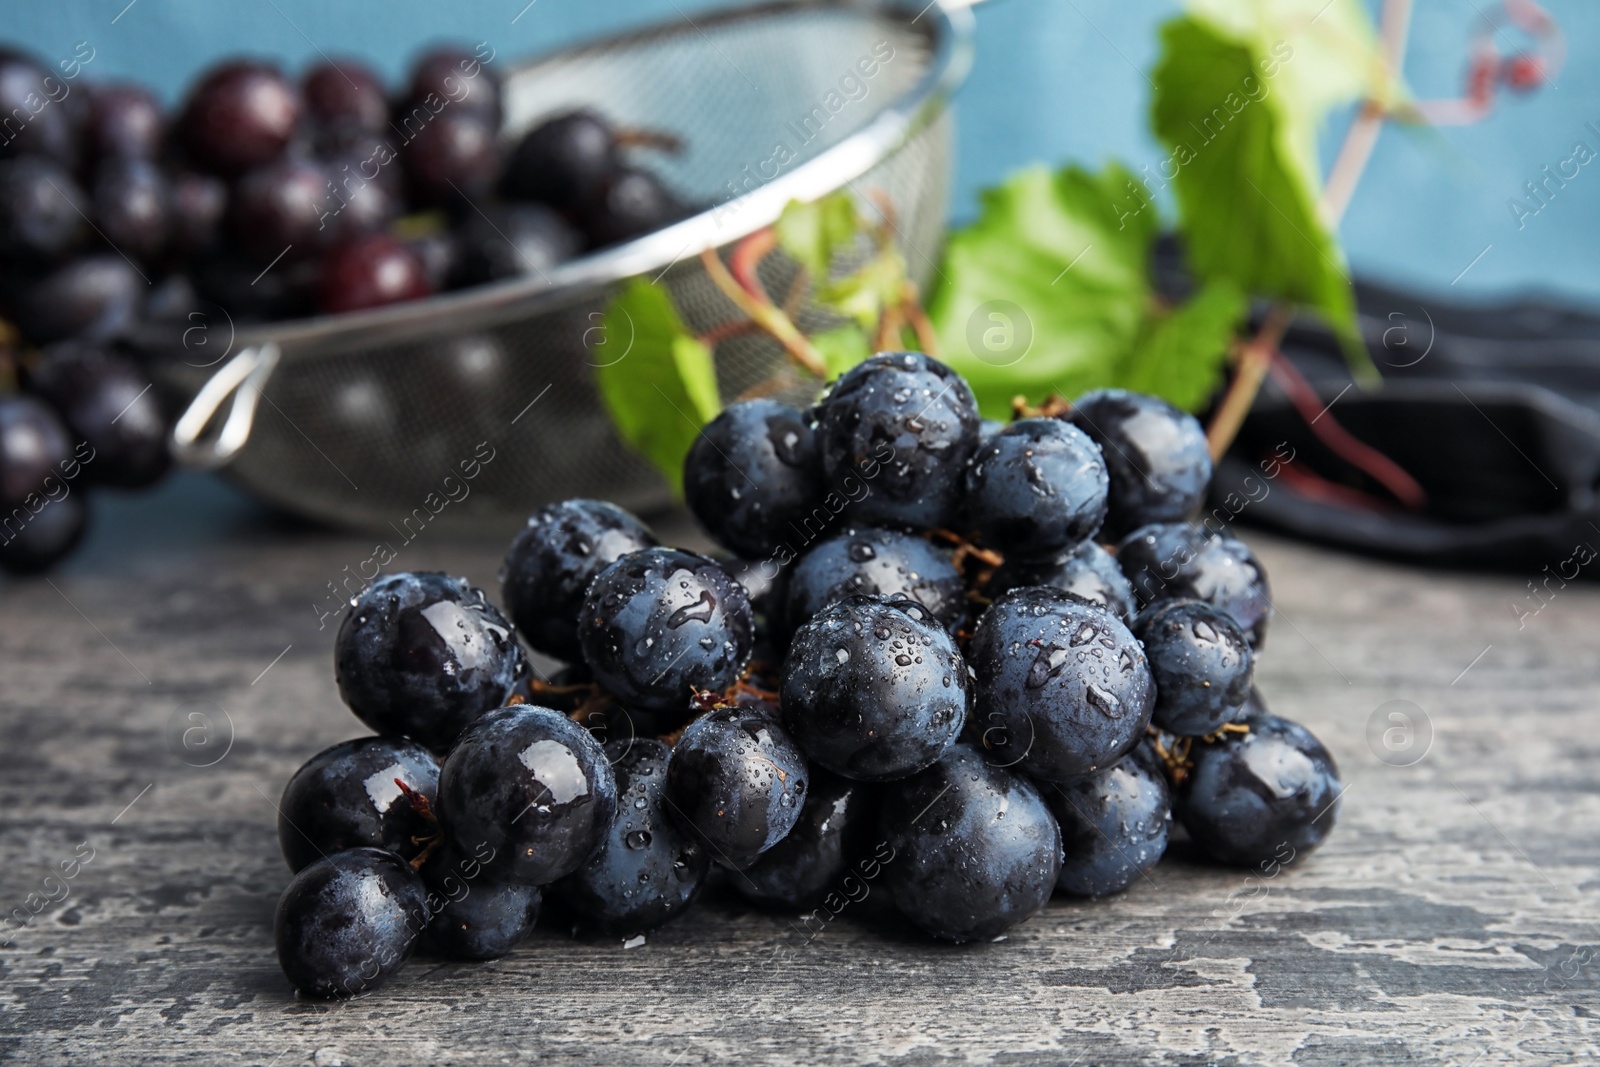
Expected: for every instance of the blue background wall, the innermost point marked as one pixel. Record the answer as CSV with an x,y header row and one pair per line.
x,y
1054,80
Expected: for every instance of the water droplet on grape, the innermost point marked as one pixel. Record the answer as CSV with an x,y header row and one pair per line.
x,y
1104,701
699,611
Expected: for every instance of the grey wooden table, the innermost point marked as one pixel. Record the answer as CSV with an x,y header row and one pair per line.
x,y
1451,918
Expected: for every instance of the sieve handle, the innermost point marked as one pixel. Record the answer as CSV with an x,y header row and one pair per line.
x,y
243,378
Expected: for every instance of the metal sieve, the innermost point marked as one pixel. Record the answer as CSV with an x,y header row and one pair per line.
x,y
473,408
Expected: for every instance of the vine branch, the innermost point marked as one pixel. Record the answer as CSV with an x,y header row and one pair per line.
x,y
765,314
1255,354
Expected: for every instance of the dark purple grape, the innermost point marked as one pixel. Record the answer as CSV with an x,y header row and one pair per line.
x,y
646,871
344,99
37,112
453,156
107,401
551,563
133,207
1087,571
631,203
41,516
661,623
974,848
1114,824
1261,798
123,121
424,655
868,561
752,474
239,115
1063,688
199,207
1201,662
1036,488
456,80
31,541
285,205
1164,561
737,782
346,923
874,689
1156,455
565,161
367,158
370,272
818,857
42,210
509,240
94,298
906,424
474,917
529,792
441,257
359,205
34,446
347,797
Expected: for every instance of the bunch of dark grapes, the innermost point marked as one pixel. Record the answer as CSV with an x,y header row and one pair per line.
x,y
921,672
259,198
274,198
86,416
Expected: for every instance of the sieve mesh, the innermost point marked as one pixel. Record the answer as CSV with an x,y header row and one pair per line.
x,y
369,426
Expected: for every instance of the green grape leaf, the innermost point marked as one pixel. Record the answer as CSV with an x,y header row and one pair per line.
x,y
864,293
1180,355
812,233
1328,55
841,348
1241,129
657,380
1047,290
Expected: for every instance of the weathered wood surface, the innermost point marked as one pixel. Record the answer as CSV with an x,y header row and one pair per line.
x,y
1451,919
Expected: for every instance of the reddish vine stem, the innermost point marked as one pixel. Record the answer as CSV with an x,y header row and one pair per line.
x,y
1313,486
747,257
1249,371
921,325
597,701
889,326
1319,419
965,549
739,280
765,314
430,842
1362,136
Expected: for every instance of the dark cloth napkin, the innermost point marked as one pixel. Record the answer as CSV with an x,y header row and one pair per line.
x,y
1494,410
